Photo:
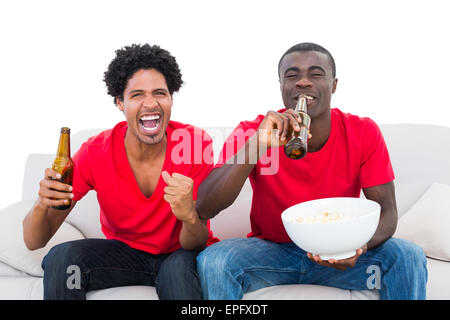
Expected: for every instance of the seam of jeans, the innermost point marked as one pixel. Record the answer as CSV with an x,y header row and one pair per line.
x,y
119,269
256,269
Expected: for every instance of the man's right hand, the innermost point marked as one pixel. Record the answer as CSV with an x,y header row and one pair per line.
x,y
52,192
276,128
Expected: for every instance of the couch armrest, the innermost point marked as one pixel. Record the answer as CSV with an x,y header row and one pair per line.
x,y
13,251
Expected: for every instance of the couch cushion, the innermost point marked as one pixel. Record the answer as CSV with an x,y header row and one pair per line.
x,y
309,292
21,288
13,251
7,270
438,285
427,222
85,216
124,293
234,221
419,155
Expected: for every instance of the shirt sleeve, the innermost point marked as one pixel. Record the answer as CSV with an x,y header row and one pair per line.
x,y
82,177
376,167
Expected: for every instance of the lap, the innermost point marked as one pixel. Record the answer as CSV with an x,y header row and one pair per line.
x,y
253,255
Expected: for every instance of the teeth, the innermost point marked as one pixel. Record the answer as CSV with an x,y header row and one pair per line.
x,y
153,117
307,97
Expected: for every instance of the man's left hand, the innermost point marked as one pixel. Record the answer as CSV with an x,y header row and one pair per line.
x,y
342,264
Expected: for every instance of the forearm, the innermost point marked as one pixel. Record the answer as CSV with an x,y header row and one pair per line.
x,y
41,223
36,227
222,186
385,230
194,233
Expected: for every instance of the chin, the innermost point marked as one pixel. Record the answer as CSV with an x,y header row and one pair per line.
x,y
151,140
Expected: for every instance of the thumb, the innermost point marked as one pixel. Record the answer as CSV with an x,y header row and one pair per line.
x,y
166,176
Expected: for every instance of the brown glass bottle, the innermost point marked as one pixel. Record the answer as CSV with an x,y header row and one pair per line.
x,y
63,163
297,146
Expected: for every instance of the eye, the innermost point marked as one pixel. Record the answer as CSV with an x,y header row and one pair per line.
x,y
291,76
136,94
160,93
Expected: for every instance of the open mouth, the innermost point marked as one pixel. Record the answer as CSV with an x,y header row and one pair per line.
x,y
310,100
150,123
308,97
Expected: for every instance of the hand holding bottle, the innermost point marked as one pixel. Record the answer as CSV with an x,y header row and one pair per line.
x,y
53,193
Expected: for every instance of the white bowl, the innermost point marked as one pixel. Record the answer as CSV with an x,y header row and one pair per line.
x,y
332,240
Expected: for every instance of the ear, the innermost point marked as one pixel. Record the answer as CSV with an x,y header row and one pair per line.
x,y
335,81
119,104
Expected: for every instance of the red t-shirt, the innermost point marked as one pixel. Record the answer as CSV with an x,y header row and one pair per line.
x,y
126,214
355,156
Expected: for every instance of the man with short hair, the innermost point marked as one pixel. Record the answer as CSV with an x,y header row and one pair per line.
x,y
146,196
346,153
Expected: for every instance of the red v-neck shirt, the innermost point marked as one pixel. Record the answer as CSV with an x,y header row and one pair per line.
x,y
355,156
126,214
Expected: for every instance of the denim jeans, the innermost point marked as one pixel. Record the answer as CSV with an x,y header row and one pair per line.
x,y
102,264
230,268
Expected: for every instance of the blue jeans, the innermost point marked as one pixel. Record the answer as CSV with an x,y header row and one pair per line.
x,y
101,264
230,268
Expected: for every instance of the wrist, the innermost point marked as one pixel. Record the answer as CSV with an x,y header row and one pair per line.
x,y
41,205
192,218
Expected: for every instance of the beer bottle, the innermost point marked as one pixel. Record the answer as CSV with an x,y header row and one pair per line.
x,y
297,146
63,163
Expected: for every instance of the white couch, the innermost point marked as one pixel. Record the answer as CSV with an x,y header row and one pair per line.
x,y
420,156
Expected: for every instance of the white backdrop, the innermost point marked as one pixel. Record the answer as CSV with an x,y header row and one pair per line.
x,y
393,63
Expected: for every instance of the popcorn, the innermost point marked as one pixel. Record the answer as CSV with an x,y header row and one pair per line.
x,y
325,216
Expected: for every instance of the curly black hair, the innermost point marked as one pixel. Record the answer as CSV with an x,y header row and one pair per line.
x,y
132,58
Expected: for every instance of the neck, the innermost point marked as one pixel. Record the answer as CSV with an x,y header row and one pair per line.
x,y
320,130
139,151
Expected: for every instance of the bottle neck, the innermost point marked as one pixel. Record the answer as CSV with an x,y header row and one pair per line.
x,y
64,145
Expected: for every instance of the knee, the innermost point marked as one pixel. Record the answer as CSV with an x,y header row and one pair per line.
x,y
62,256
406,252
218,257
180,261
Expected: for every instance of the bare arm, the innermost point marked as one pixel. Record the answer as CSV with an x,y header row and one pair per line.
x,y
42,222
230,177
194,232
385,195
222,186
178,193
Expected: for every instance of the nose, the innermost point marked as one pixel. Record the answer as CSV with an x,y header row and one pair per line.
x,y
149,101
303,83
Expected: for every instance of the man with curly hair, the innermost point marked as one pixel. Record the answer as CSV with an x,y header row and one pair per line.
x,y
146,195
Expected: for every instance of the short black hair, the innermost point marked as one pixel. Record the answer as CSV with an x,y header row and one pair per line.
x,y
130,59
309,46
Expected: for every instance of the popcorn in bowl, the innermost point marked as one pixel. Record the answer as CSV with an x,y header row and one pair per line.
x,y
334,233
325,216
